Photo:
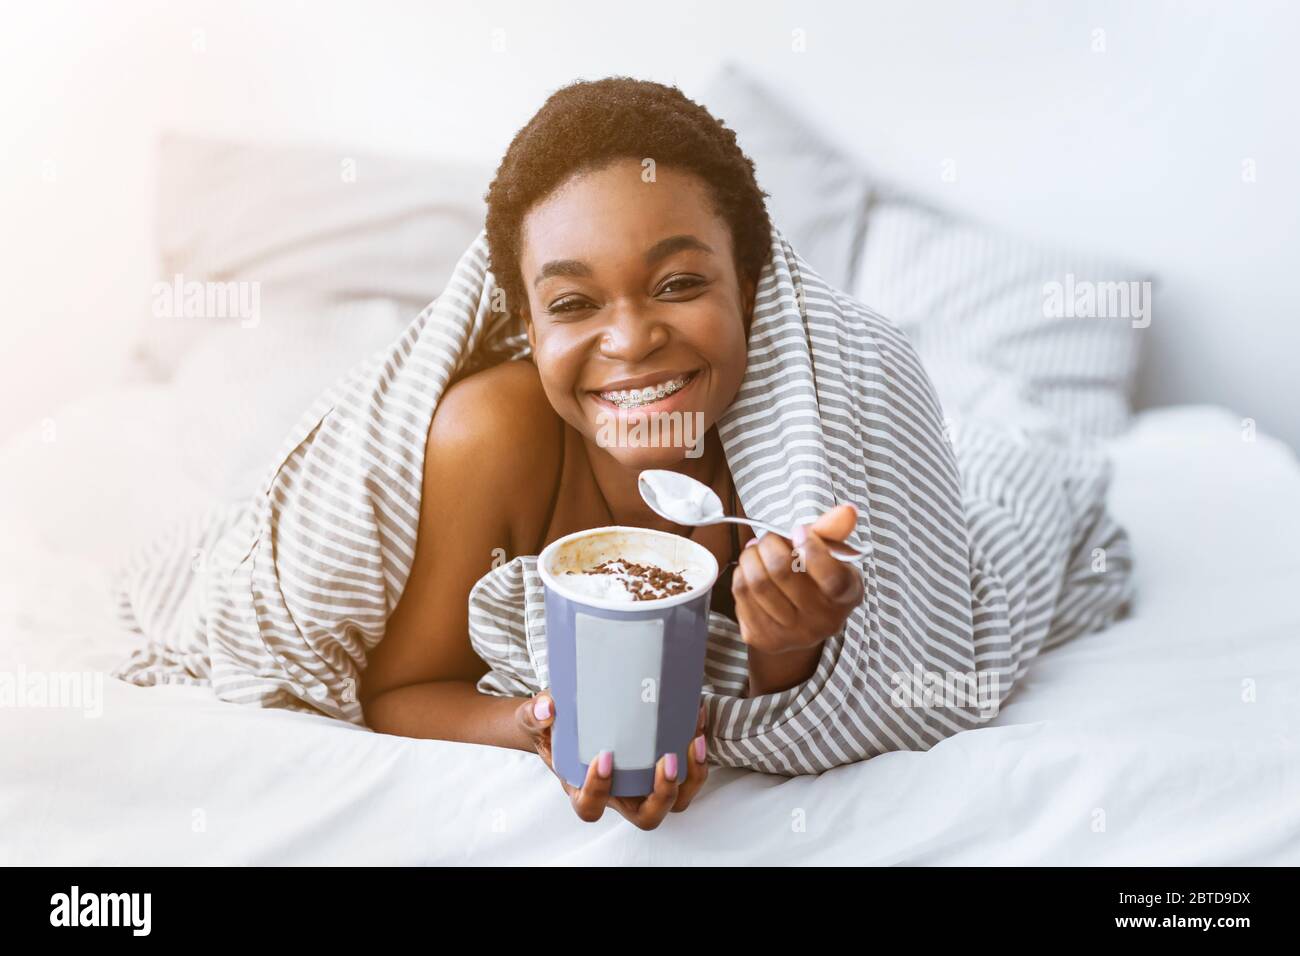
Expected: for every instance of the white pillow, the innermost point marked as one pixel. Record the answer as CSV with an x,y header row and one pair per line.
x,y
817,194
960,290
302,225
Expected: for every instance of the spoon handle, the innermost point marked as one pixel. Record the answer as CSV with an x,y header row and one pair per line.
x,y
837,549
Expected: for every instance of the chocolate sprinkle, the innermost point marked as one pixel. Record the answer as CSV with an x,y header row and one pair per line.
x,y
645,582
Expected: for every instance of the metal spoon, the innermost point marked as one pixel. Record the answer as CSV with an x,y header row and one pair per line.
x,y
683,500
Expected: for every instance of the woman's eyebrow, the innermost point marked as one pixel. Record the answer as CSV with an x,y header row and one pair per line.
x,y
666,247
659,251
562,267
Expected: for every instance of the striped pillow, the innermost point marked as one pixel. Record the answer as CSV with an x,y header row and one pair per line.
x,y
1066,325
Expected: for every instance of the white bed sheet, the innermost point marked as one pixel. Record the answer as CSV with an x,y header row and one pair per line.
x,y
1139,745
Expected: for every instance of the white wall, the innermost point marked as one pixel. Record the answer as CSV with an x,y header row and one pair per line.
x,y
1137,150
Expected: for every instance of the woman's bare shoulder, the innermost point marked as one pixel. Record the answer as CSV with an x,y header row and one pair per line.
x,y
495,437
492,455
505,401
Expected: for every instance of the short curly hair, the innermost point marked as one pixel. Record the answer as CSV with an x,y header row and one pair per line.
x,y
587,125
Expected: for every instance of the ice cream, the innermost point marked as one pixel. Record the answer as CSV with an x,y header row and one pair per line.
x,y
617,566
619,579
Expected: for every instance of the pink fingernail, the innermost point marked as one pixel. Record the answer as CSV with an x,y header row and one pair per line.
x,y
751,542
542,708
670,766
699,749
800,535
605,764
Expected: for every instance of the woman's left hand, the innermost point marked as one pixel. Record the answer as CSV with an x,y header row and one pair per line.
x,y
790,600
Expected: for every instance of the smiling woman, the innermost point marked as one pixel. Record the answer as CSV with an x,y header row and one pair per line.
x,y
628,231
646,323
588,125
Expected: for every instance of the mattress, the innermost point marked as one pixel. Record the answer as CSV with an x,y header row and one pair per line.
x,y
1169,739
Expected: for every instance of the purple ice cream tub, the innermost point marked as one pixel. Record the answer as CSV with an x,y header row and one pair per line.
x,y
626,675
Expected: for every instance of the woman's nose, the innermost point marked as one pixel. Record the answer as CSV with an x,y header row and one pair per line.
x,y
631,334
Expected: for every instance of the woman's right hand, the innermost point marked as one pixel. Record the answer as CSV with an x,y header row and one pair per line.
x,y
536,717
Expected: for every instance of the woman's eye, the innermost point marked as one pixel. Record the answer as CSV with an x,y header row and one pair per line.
x,y
681,283
577,304
567,305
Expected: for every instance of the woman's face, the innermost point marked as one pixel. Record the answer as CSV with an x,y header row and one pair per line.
x,y
632,285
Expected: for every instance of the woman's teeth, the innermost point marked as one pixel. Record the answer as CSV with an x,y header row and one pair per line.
x,y
633,397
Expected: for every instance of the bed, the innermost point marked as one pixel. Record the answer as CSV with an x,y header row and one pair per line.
x,y
1170,738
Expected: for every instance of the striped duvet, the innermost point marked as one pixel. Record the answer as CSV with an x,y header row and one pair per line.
x,y
983,519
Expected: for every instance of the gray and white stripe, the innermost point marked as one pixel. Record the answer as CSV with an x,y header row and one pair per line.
x,y
981,533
